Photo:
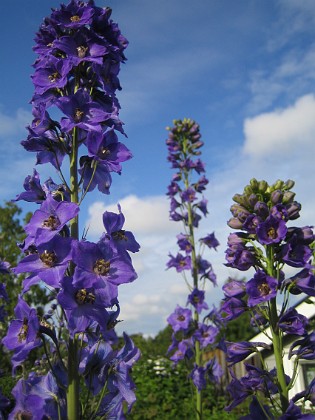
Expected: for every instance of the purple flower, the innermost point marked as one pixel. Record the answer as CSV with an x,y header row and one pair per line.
x,y
303,282
206,335
292,322
232,308
22,335
51,74
119,238
234,288
198,377
49,262
237,352
105,148
261,288
180,319
188,195
94,174
184,350
49,220
184,243
197,299
81,111
210,240
273,230
306,347
84,306
240,257
74,15
180,262
33,189
98,266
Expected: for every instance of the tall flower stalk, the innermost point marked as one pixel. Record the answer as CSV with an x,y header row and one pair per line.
x,y
193,333
79,52
270,245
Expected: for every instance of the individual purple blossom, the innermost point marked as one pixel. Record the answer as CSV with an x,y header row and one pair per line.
x,y
237,352
232,308
119,238
240,257
51,74
198,377
206,335
94,174
210,240
294,412
302,282
305,347
180,319
234,288
188,195
74,15
49,219
184,350
84,306
291,322
22,335
48,147
184,243
33,189
261,288
180,262
197,299
272,231
98,266
49,262
82,112
296,254
106,149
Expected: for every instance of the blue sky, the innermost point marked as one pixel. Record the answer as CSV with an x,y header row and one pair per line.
x,y
244,70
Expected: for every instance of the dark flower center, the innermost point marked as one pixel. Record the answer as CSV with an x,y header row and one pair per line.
x,y
196,299
264,289
272,234
101,267
23,415
23,330
75,18
78,114
104,152
54,77
82,296
52,222
181,318
119,235
48,258
82,51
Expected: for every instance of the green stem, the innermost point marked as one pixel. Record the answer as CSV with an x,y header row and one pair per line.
x,y
73,400
277,335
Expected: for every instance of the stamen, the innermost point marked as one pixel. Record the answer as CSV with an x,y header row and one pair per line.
x,y
52,222
82,51
75,18
23,330
82,296
119,235
48,258
101,267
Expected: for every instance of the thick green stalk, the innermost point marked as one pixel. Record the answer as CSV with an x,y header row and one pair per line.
x,y
73,400
198,354
276,336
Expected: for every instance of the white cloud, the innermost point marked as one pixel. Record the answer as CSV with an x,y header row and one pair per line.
x,y
282,131
11,125
144,216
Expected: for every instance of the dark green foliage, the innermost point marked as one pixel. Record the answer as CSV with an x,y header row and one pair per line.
x,y
11,234
164,392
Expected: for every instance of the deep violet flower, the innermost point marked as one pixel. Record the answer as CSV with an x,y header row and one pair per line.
x,y
210,240
237,352
180,262
33,189
22,335
119,239
206,335
261,288
50,261
272,230
180,319
293,323
197,299
49,220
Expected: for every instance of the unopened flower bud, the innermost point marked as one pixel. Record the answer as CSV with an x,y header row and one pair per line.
x,y
262,186
288,197
254,184
235,223
276,197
